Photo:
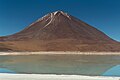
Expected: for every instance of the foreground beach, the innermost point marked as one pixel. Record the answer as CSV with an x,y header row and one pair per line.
x,y
52,77
60,52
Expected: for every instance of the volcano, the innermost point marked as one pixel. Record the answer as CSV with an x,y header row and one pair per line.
x,y
59,31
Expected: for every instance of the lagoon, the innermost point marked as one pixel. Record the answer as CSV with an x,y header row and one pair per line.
x,y
67,64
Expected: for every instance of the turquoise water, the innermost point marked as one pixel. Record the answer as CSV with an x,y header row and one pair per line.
x,y
3,70
114,71
59,64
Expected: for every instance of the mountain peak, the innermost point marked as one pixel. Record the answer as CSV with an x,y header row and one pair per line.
x,y
59,31
58,12
60,25
54,14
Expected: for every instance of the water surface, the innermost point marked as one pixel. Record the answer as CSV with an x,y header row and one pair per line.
x,y
114,71
3,70
59,64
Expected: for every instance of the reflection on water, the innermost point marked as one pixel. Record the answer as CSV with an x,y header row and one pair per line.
x,y
59,64
114,71
3,70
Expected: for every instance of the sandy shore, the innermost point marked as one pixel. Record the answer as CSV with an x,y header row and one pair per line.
x,y
40,53
52,77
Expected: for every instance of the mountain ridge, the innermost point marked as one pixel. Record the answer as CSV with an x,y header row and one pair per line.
x,y
59,31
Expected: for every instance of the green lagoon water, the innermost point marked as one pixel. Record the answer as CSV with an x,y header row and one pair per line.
x,y
59,64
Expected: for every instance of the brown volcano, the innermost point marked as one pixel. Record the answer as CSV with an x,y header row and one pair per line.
x,y
59,31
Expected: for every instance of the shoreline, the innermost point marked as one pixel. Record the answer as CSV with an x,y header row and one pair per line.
x,y
6,76
60,53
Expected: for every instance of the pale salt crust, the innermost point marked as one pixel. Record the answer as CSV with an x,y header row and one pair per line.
x,y
60,53
52,77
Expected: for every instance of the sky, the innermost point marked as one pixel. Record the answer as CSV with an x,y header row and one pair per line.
x,y
15,15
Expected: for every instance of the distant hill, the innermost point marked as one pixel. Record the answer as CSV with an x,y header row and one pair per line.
x,y
59,31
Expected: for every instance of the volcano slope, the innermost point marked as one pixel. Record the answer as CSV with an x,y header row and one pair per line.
x,y
59,31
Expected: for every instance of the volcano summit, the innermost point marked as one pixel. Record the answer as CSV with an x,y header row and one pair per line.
x,y
59,31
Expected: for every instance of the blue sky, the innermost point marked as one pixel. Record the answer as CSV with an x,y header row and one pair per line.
x,y
15,15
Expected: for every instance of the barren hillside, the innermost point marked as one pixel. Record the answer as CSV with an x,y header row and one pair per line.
x,y
59,31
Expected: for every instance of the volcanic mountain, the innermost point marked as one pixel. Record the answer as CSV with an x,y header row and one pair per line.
x,y
59,31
